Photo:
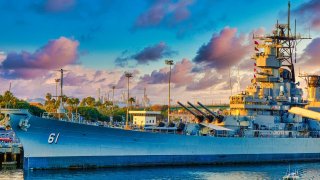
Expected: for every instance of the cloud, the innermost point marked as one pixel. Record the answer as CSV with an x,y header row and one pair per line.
x,y
180,74
72,79
2,56
310,13
164,11
82,10
209,79
223,50
79,81
148,54
55,54
53,6
122,82
153,53
310,56
184,17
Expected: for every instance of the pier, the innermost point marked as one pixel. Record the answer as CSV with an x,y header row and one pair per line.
x,y
11,152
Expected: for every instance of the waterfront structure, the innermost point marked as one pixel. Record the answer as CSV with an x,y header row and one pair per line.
x,y
144,118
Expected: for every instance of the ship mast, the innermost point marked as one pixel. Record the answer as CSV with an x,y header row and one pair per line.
x,y
285,43
61,108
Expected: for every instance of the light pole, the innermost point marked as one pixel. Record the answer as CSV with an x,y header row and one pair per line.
x,y
170,63
113,87
57,81
128,75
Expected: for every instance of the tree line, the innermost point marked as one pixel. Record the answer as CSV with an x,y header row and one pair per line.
x,y
88,107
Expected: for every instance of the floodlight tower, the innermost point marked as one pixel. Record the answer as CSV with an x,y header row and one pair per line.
x,y
170,63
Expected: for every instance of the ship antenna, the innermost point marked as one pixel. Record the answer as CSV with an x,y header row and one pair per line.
x,y
295,44
288,32
61,83
230,80
290,45
61,109
239,81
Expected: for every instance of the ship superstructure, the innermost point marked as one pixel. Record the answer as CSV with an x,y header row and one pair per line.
x,y
273,104
268,122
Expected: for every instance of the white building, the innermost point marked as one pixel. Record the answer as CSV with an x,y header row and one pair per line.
x,y
145,118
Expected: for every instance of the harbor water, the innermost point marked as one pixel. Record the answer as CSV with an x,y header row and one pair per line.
x,y
263,171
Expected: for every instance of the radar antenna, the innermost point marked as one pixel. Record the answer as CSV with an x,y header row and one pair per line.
x,y
286,43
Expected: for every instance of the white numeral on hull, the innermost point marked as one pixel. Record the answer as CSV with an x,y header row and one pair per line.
x,y
53,137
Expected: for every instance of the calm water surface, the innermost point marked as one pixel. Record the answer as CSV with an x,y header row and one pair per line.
x,y
265,171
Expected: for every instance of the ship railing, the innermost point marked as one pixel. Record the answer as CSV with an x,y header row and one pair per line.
x,y
282,134
167,130
71,117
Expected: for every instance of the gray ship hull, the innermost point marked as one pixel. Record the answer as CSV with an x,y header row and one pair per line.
x,y
83,146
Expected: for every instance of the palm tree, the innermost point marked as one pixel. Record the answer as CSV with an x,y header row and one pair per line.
x,y
132,100
2,103
8,98
90,101
69,102
76,102
48,97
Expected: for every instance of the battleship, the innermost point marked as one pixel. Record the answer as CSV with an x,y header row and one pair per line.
x,y
269,121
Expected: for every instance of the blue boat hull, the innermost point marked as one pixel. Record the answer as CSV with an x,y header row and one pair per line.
x,y
118,161
83,146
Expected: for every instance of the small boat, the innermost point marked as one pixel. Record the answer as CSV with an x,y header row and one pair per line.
x,y
291,175
5,139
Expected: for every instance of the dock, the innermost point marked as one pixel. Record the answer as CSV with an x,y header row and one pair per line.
x,y
11,151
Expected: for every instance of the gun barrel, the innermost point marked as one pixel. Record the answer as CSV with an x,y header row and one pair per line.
x,y
208,116
194,107
199,117
187,108
217,116
208,110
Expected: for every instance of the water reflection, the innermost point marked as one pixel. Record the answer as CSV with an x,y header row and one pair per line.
x,y
265,171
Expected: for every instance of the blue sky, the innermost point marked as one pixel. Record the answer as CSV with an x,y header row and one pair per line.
x,y
107,29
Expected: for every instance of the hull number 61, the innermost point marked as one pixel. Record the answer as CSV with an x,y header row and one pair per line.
x,y
53,138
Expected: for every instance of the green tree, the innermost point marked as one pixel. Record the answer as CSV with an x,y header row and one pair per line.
x,y
50,104
76,102
90,113
90,101
9,99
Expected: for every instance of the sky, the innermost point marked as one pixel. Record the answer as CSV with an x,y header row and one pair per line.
x,y
97,41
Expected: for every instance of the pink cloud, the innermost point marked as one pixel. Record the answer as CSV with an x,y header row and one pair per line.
x,y
310,56
180,74
223,50
180,10
161,10
55,54
310,13
122,82
209,79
